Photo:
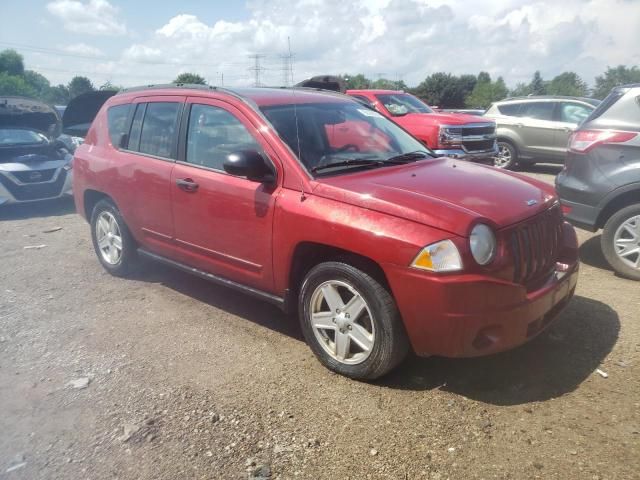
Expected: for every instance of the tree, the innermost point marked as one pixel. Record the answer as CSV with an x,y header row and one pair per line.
x,y
58,95
11,62
15,85
445,90
355,82
521,90
384,84
38,82
537,85
192,78
486,91
110,86
613,77
568,83
79,85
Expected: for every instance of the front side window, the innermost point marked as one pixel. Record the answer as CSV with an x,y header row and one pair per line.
x,y
398,104
342,134
213,134
117,121
574,112
159,129
538,110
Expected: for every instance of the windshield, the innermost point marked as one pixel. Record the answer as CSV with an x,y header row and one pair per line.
x,y
19,136
399,104
344,133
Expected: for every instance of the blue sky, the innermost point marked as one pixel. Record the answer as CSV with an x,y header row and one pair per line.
x,y
138,42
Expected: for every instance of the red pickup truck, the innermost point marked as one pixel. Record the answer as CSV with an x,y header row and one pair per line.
x,y
456,135
378,245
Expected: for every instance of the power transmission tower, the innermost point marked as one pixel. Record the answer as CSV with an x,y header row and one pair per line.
x,y
287,69
257,69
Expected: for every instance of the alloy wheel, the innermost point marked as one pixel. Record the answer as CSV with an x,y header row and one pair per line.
x,y
109,238
626,241
503,159
342,322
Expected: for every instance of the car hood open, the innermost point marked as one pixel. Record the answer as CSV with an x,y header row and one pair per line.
x,y
443,193
29,113
81,111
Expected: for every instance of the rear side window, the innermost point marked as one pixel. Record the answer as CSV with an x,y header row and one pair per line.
x,y
159,128
213,134
510,109
117,119
538,110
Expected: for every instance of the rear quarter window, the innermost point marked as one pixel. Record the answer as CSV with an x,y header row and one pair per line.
x,y
510,110
117,120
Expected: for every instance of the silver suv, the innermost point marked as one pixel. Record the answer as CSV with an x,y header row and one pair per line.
x,y
536,129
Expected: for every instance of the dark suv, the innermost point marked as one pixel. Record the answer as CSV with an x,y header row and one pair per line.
x,y
600,184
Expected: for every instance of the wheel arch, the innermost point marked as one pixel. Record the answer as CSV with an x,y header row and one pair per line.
x,y
618,202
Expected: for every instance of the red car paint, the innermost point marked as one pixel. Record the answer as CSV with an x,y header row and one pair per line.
x,y
426,126
253,234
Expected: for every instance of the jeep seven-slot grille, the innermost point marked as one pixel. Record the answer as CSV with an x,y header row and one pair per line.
x,y
535,246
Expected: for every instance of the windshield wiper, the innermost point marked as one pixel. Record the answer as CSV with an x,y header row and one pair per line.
x,y
361,162
408,157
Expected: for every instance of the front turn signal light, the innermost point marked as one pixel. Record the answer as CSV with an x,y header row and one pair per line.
x,y
441,256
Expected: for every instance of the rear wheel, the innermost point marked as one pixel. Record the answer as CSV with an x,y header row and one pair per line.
x,y
621,242
112,241
507,157
351,321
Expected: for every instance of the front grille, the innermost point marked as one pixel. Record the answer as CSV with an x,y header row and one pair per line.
x,y
35,176
34,191
478,138
535,246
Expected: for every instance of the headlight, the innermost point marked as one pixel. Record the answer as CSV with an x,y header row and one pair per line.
x,y
483,244
439,257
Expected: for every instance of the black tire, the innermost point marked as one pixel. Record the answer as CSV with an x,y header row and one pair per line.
x,y
512,163
390,343
608,245
128,254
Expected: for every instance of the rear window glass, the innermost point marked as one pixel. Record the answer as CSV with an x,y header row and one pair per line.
x,y
608,102
117,119
159,129
510,110
538,110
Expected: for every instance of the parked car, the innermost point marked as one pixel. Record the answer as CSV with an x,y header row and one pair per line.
x,y
458,135
379,245
599,186
33,164
536,128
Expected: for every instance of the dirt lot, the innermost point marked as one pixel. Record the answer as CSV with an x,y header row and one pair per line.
x,y
190,380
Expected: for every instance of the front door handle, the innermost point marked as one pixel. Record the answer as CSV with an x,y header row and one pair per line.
x,y
187,184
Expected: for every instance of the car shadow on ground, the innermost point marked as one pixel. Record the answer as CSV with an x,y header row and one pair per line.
x,y
231,301
591,254
48,208
548,168
553,364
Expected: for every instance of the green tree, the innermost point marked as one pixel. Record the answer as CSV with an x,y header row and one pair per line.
x,y
38,82
537,85
15,85
486,91
110,86
79,85
568,83
613,77
356,82
445,90
192,78
384,84
11,62
58,95
521,90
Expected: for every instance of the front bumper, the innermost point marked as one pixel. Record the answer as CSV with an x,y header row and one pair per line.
x,y
470,315
16,186
476,156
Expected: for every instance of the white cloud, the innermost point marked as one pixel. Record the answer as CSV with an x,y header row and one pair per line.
x,y
95,17
83,49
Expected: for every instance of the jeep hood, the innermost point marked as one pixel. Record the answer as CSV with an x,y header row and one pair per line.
x,y
81,111
443,193
29,113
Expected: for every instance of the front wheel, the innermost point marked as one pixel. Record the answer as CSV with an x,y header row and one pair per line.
x,y
621,242
351,321
507,157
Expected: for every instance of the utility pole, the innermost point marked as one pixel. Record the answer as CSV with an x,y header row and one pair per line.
x,y
257,68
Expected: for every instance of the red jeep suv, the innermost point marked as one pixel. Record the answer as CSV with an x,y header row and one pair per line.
x,y
318,204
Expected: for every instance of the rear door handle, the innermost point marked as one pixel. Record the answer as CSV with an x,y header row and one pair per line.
x,y
187,184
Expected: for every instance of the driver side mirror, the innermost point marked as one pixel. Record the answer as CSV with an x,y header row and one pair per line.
x,y
250,164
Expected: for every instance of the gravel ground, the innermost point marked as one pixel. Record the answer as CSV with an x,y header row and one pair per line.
x,y
164,376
